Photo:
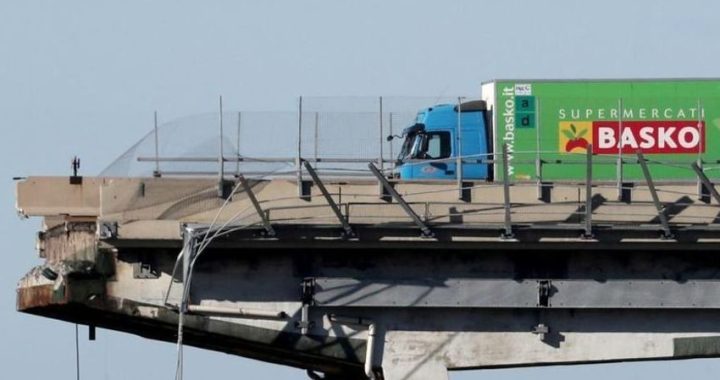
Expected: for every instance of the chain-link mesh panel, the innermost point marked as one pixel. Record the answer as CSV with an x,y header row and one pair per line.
x,y
339,134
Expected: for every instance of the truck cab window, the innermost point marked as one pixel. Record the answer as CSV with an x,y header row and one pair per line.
x,y
433,146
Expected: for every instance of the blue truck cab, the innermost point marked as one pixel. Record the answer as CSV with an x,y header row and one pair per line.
x,y
432,143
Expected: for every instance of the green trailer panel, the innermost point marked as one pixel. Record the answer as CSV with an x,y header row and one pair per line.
x,y
673,122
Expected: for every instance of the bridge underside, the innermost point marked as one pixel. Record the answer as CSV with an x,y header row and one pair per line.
x,y
433,308
383,301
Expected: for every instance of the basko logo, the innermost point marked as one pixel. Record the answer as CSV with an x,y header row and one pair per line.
x,y
650,136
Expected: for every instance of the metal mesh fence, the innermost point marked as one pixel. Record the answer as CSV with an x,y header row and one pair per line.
x,y
340,134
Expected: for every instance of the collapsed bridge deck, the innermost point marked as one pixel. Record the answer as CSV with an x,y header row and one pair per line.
x,y
395,279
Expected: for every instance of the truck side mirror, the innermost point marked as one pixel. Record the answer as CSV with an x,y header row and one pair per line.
x,y
390,138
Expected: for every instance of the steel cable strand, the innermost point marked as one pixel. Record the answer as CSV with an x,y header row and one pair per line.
x,y
183,300
217,215
180,255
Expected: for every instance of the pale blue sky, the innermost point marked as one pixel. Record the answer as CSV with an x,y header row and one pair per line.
x,y
83,78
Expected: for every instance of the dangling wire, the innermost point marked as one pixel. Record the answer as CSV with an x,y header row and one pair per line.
x,y
77,353
217,215
187,249
186,290
181,315
179,363
200,246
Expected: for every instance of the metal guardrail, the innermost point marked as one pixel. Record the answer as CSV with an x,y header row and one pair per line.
x,y
426,222
304,120
299,166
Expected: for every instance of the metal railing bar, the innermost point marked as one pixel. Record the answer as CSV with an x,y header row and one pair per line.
x,y
705,181
260,159
426,232
343,221
258,208
667,234
588,193
507,234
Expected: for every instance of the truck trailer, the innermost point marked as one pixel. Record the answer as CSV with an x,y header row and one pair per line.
x,y
547,127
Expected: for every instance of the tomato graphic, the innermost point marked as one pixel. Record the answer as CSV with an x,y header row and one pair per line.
x,y
575,138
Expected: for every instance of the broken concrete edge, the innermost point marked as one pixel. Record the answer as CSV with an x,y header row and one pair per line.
x,y
74,304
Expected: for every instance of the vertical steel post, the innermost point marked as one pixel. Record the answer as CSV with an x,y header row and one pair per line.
x,y
328,198
507,234
538,158
304,318
157,149
251,195
298,158
187,256
667,234
426,232
588,194
188,253
381,161
390,126
701,118
619,167
706,181
77,353
237,164
459,159
221,157
315,137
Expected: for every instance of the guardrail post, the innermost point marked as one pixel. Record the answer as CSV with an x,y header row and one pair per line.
x,y
298,159
263,216
380,124
315,136
587,234
702,194
380,161
328,198
626,189
507,233
189,251
390,126
224,188
708,186
666,232
237,150
538,175
156,173
426,232
538,149
459,151
621,194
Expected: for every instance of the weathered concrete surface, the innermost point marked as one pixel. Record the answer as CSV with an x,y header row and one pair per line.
x,y
53,196
111,245
126,200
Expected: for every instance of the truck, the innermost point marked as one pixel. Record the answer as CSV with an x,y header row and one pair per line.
x,y
547,126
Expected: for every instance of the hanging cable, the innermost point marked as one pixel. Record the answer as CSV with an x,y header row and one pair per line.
x,y
234,218
186,295
77,353
179,362
187,249
199,246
